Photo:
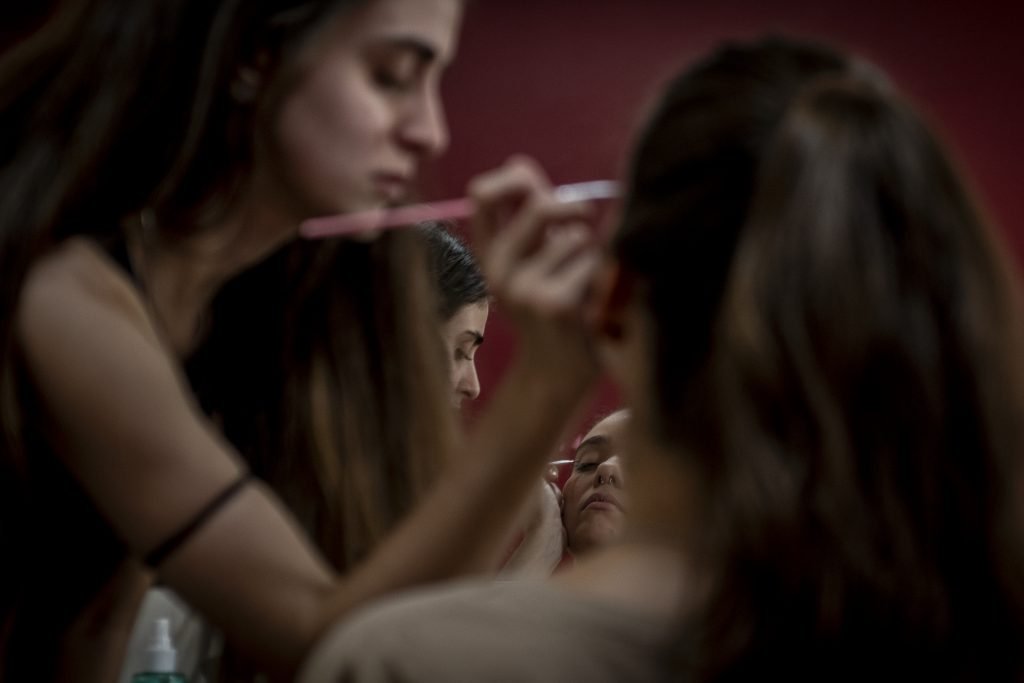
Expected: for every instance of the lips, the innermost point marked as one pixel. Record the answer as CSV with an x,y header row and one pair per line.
x,y
392,187
602,500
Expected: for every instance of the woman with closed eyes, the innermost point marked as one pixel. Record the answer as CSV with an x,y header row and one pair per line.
x,y
187,394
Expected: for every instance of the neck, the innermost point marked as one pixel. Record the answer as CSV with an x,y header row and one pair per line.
x,y
182,278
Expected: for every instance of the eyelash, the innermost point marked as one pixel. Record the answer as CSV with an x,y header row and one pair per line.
x,y
387,80
585,466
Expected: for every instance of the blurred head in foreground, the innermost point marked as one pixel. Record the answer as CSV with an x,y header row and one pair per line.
x,y
807,314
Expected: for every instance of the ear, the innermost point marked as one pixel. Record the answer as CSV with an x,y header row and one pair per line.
x,y
251,79
613,289
610,313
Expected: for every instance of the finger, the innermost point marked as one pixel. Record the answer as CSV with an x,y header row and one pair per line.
x,y
497,195
540,217
559,245
565,291
527,231
555,296
517,173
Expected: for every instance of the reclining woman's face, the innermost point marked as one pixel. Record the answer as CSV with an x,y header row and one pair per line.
x,y
594,494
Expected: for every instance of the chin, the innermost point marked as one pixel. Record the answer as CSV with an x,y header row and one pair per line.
x,y
349,203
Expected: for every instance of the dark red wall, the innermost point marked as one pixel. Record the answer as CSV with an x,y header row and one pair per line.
x,y
567,81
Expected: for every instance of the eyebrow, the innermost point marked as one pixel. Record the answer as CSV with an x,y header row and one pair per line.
x,y
596,440
424,52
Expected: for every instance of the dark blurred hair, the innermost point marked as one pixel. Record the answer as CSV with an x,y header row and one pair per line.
x,y
327,387
452,266
836,342
115,105
311,383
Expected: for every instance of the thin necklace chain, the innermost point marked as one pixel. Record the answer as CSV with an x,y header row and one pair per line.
x,y
141,256
139,250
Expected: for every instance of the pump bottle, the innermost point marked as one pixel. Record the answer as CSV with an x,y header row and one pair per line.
x,y
161,657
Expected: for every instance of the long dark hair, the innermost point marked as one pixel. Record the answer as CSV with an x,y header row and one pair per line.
x,y
453,267
836,341
332,389
112,106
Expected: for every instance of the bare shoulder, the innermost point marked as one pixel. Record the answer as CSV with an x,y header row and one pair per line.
x,y
84,330
116,400
75,289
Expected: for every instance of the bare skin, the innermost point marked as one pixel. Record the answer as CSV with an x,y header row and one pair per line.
x,y
595,497
462,335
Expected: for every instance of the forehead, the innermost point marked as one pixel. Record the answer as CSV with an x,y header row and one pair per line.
x,y
611,427
469,317
432,23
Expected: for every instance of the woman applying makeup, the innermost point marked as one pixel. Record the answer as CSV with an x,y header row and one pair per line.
x,y
154,154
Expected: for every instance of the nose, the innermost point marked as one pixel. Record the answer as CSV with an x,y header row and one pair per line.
x,y
609,472
425,129
468,384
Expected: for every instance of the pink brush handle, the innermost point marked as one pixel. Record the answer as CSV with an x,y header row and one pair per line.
x,y
385,219
382,219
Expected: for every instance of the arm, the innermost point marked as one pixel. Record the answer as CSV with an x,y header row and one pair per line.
x,y
543,538
127,428
123,423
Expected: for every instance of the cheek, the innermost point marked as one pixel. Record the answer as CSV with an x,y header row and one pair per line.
x,y
572,493
448,343
458,373
326,135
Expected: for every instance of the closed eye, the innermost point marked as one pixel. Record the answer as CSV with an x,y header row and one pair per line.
x,y
397,74
387,80
397,65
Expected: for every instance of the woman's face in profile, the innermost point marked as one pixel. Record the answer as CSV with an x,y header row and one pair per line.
x,y
366,111
463,334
